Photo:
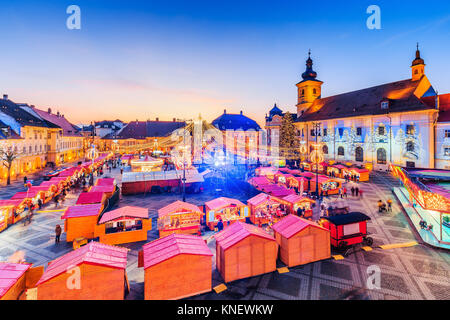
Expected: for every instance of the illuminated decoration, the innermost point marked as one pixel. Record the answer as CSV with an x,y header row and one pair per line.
x,y
92,153
146,165
316,155
303,149
427,200
182,157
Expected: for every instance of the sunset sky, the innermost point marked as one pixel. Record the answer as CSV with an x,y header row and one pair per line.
x,y
146,59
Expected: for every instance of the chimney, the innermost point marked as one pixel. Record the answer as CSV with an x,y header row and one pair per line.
x,y
241,112
5,96
57,113
157,119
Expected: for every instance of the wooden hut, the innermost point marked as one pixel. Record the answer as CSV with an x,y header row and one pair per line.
x,y
243,251
12,280
264,208
80,221
176,266
328,184
91,198
226,209
301,241
107,190
258,182
179,217
361,174
295,201
277,190
95,271
123,225
10,212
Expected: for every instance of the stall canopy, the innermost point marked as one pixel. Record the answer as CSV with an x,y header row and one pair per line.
x,y
259,199
25,195
10,202
93,253
48,184
105,182
294,198
178,206
90,197
82,211
259,181
10,273
291,225
277,190
125,212
165,248
237,232
102,189
223,202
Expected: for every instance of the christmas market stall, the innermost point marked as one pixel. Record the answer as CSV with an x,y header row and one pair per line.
x,y
282,178
326,184
265,208
54,187
360,174
258,182
123,225
336,170
295,202
80,221
225,209
176,266
179,217
107,190
298,183
14,279
301,241
244,250
277,190
45,193
268,172
95,271
91,198
105,182
11,211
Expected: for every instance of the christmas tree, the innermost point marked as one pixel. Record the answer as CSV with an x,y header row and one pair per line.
x,y
288,141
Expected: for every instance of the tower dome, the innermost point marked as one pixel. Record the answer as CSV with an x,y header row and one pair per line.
x,y
309,73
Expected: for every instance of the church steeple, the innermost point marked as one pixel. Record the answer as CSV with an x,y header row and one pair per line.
x,y
309,89
417,66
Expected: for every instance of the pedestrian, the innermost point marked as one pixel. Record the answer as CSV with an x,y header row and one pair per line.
x,y
58,231
340,193
380,205
361,193
345,192
40,204
389,202
56,199
25,179
357,191
299,211
353,191
121,170
220,225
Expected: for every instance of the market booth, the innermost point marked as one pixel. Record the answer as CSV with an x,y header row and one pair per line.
x,y
105,182
244,250
258,182
361,174
11,211
176,266
282,178
277,190
328,184
300,183
91,198
268,172
301,241
295,201
179,217
336,170
101,269
80,221
45,193
227,209
265,208
13,280
123,225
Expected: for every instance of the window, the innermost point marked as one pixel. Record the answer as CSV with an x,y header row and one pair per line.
x,y
314,91
447,152
359,131
410,164
381,130
341,131
359,154
410,129
313,134
325,149
384,105
303,92
381,156
447,134
341,151
350,229
325,132
410,146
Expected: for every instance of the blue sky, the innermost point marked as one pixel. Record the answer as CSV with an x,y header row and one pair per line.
x,y
146,59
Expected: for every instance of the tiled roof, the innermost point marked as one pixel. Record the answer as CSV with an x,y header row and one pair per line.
x,y
92,253
237,232
23,117
10,273
444,106
178,206
146,129
400,95
291,225
59,120
90,197
168,247
237,122
82,210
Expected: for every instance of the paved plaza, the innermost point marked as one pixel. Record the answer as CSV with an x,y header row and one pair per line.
x,y
418,272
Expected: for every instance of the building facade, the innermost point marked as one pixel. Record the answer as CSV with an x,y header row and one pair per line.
x,y
390,123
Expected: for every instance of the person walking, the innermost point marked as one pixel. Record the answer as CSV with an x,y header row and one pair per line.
x,y
56,199
353,191
361,193
58,231
380,205
40,204
340,193
345,192
389,202
357,191
25,179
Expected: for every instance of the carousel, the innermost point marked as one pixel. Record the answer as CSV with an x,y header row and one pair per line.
x,y
146,164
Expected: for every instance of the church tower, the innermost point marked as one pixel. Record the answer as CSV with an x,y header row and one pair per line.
x,y
309,89
418,66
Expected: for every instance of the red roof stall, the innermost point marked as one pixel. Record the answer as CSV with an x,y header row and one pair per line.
x,y
12,280
107,190
243,251
282,178
361,174
277,190
105,182
80,221
301,241
265,208
226,209
91,198
328,184
10,212
45,193
123,225
176,267
258,182
268,172
95,271
295,201
298,183
179,217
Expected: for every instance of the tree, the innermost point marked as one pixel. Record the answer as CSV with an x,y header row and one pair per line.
x,y
288,141
7,156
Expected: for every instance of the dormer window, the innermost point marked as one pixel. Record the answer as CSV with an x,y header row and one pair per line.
x,y
384,104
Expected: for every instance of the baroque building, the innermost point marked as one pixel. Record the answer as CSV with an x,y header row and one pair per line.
x,y
390,123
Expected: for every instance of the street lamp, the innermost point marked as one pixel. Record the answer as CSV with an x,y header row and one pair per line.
x,y
316,126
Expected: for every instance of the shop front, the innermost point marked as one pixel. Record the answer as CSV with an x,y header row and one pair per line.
x,y
224,209
295,202
327,185
179,217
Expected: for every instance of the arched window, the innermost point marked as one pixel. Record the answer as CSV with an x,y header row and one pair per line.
x,y
303,92
325,149
314,91
359,154
410,146
341,151
381,156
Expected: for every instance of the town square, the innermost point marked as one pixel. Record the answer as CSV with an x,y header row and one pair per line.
x,y
332,184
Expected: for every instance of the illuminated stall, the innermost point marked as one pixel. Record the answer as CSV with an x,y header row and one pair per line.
x,y
295,201
258,182
326,184
102,271
226,209
176,266
123,225
282,178
80,221
146,164
277,190
13,280
306,165
265,208
11,211
361,174
45,193
336,170
268,172
300,183
91,198
179,217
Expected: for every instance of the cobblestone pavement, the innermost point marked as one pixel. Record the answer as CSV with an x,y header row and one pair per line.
x,y
418,272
